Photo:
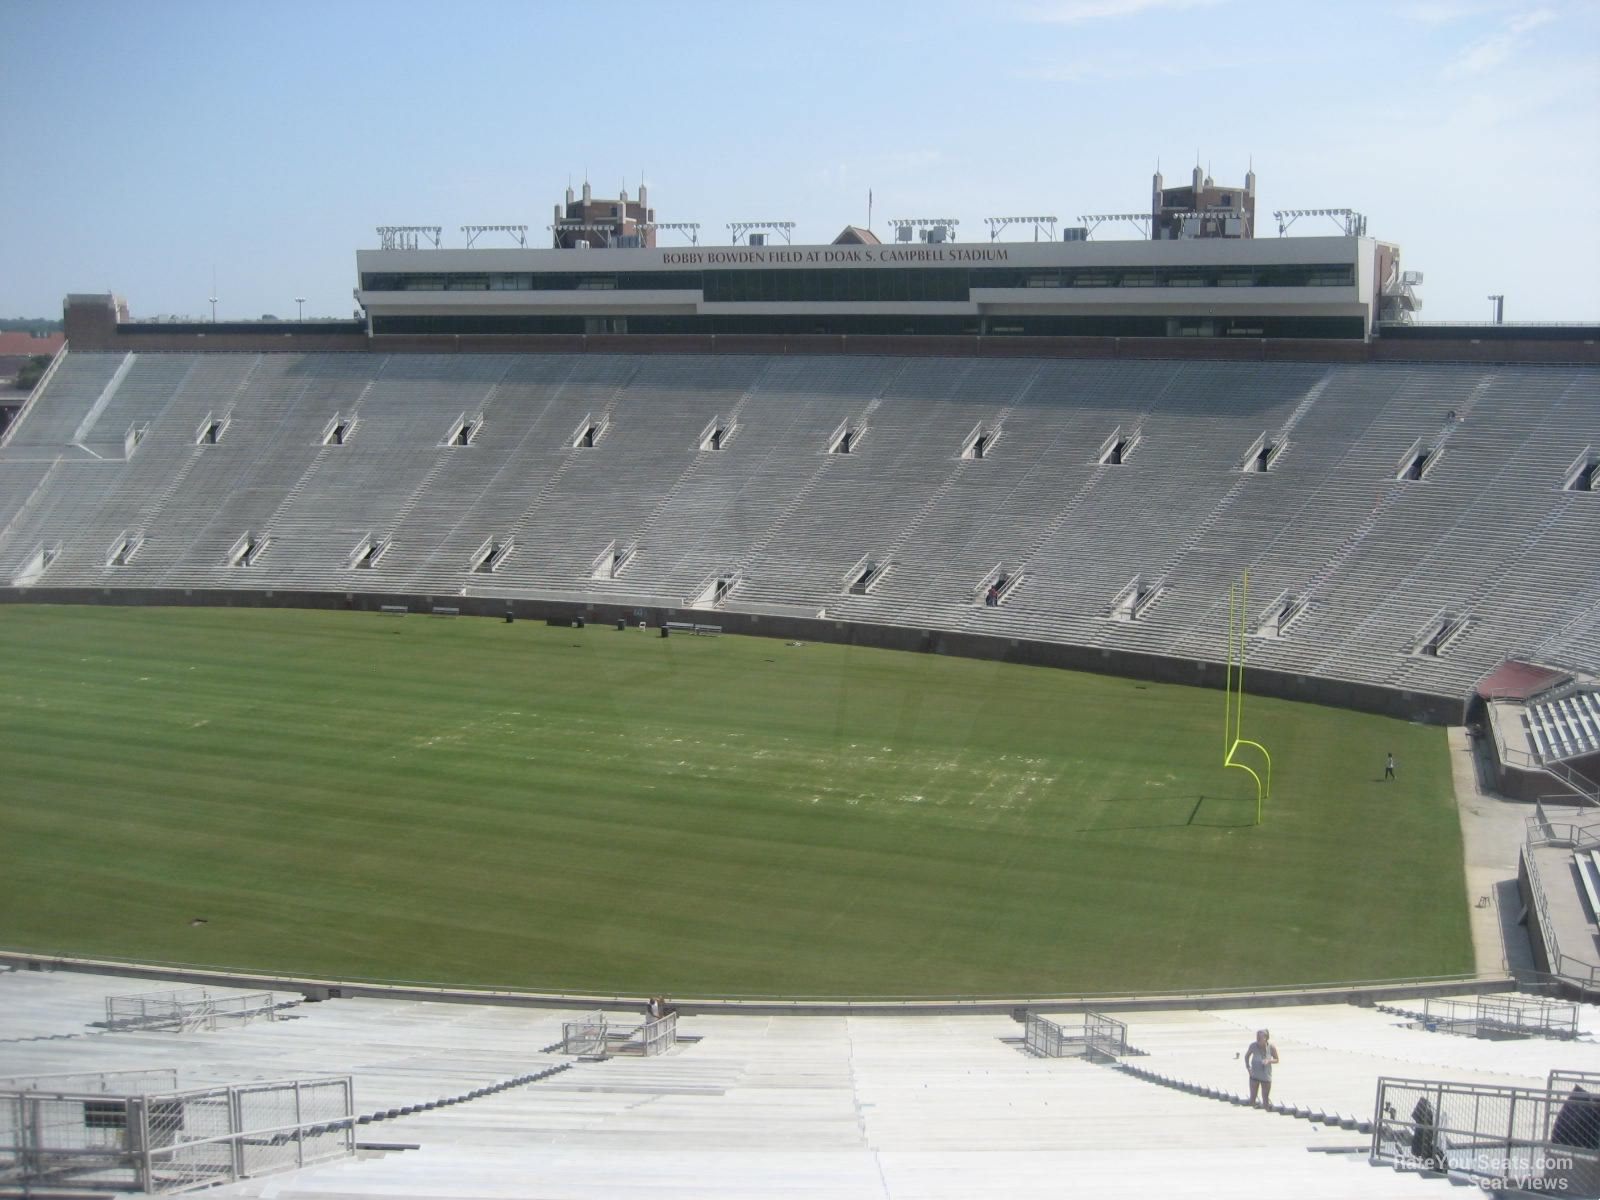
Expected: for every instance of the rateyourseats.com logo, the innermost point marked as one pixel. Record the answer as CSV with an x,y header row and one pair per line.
x,y
1491,1171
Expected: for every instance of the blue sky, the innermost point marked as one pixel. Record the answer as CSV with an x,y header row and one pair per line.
x,y
146,143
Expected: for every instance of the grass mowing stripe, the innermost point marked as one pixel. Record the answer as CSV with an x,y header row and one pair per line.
x,y
470,802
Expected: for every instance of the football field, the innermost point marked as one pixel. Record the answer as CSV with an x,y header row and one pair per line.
x,y
350,795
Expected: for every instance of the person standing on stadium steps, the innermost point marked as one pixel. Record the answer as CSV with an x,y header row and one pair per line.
x,y
1388,766
1258,1061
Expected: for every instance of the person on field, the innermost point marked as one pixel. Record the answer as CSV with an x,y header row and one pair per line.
x,y
1258,1061
1388,766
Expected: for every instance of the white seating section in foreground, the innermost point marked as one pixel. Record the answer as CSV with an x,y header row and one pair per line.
x,y
1564,727
756,1107
1488,537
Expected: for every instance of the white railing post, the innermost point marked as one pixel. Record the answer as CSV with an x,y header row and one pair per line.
x,y
236,1120
38,390
146,1161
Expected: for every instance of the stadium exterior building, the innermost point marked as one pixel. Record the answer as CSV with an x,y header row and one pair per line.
x,y
1200,273
1198,284
1316,287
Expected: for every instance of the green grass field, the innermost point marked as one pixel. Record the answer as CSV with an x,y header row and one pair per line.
x,y
470,802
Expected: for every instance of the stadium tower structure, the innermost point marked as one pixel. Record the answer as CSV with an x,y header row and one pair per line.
x,y
1200,273
1196,283
604,223
1203,209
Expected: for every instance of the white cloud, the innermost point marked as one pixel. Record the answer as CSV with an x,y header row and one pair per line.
x,y
1099,68
1114,67
1493,49
1071,12
1445,12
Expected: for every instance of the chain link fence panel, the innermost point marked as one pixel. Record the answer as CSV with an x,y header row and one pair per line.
x,y
1533,1139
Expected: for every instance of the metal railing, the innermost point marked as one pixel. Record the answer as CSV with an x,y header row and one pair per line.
x,y
1567,835
186,1011
656,1036
1501,1016
116,1083
1585,790
595,1035
1588,791
1544,928
1543,832
34,393
1098,1036
172,1141
1564,1080
203,1137
1576,971
586,1036
1534,1139
1493,324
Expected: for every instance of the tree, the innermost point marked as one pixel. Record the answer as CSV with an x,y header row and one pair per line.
x,y
32,371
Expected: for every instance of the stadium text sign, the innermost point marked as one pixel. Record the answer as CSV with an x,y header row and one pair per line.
x,y
877,255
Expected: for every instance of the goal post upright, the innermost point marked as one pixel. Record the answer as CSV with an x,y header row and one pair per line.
x,y
1233,700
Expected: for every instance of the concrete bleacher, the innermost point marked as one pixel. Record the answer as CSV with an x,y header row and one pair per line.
x,y
1564,726
895,1104
51,419
403,1053
1487,536
1588,869
1332,1053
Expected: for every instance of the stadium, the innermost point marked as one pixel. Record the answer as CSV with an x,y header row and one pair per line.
x,y
631,718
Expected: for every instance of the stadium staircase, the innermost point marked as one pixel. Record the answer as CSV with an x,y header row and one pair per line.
x,y
1239,1100
406,1110
1586,790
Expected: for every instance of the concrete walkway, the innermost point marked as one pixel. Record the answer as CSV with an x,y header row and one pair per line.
x,y
1574,932
1492,831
